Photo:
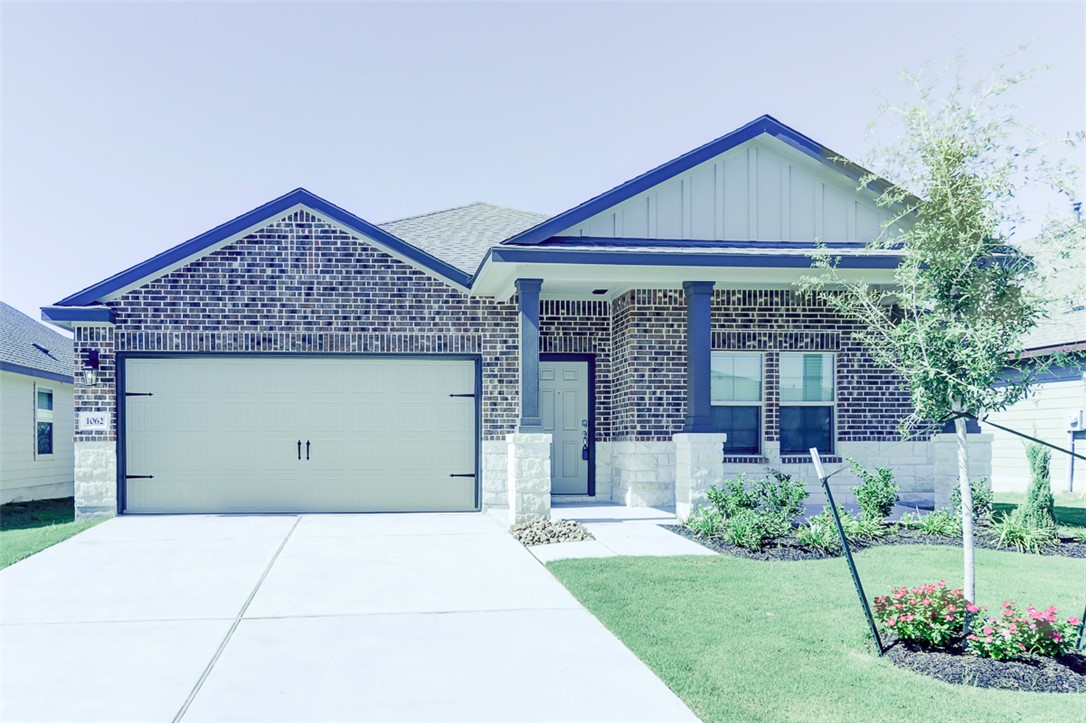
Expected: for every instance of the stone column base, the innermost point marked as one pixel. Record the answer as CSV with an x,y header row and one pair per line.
x,y
529,460
699,465
95,480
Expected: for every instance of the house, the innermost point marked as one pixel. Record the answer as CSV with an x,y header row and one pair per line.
x,y
1054,410
35,410
301,358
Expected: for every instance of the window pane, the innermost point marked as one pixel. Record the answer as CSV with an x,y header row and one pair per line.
x,y
45,437
45,399
736,377
806,427
806,377
742,425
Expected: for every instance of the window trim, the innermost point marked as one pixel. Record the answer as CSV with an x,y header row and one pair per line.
x,y
760,404
44,416
832,403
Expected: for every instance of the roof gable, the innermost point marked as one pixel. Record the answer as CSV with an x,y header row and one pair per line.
x,y
763,181
230,231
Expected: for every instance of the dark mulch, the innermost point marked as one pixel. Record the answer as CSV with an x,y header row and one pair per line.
x,y
789,549
36,513
1034,674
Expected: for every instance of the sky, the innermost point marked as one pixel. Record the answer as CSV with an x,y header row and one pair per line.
x,y
126,129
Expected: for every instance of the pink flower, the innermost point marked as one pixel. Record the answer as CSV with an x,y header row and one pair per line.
x,y
892,621
1023,647
970,607
1008,613
948,617
1012,628
973,637
926,601
988,639
951,608
1073,620
987,631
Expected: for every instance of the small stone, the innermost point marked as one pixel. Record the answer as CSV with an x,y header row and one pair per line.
x,y
545,531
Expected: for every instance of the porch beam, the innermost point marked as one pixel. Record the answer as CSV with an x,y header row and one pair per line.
x,y
699,302
528,301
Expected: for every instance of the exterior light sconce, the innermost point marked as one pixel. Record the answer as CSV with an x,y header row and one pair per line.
x,y
91,367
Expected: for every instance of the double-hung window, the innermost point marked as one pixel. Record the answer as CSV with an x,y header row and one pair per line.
x,y
736,390
807,402
43,422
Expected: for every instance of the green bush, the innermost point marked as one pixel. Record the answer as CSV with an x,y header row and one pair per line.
x,y
941,524
820,531
982,500
878,492
1040,507
706,521
754,512
1018,530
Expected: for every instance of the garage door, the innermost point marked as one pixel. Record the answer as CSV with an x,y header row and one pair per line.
x,y
299,434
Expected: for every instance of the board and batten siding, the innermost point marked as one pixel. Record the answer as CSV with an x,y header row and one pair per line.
x,y
1043,415
759,191
23,476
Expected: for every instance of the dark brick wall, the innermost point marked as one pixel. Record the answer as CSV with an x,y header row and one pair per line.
x,y
303,285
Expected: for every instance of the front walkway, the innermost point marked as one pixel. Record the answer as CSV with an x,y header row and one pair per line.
x,y
308,618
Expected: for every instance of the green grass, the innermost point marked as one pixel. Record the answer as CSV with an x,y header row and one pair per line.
x,y
1070,509
769,641
30,527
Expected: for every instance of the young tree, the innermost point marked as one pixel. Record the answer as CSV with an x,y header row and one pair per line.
x,y
965,291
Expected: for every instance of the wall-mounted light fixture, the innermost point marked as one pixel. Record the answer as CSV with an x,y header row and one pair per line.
x,y
90,368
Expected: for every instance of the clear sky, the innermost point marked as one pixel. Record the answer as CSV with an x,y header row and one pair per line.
x,y
129,128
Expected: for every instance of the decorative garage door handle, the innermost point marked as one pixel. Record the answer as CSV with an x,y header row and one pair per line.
x,y
462,475
307,450
299,449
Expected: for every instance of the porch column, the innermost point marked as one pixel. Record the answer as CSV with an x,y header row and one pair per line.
x,y
699,301
528,300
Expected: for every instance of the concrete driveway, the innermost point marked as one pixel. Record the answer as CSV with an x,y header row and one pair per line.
x,y
308,618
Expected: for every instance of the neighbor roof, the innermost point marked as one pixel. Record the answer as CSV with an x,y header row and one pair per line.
x,y
461,236
29,347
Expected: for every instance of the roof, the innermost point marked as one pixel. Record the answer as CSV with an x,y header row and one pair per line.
x,y
29,347
764,125
461,236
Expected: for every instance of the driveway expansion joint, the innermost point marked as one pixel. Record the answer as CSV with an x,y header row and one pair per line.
x,y
234,626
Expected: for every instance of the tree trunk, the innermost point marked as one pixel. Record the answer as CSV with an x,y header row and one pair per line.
x,y
970,576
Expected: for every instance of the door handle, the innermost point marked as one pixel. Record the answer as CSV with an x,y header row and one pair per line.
x,y
299,449
307,450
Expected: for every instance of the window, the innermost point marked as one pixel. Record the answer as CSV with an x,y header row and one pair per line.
x,y
736,392
43,421
807,403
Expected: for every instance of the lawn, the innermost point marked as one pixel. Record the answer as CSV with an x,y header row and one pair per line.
x,y
30,527
769,641
1070,509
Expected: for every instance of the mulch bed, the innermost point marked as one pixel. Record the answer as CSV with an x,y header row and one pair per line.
x,y
1034,674
789,549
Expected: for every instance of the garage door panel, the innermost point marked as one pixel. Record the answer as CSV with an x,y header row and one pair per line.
x,y
220,434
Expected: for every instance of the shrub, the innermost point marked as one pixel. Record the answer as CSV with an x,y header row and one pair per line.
x,y
910,520
754,512
1013,635
1040,507
878,492
706,521
941,523
1019,531
982,500
820,532
930,615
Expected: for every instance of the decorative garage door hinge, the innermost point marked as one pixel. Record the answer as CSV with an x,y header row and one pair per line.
x,y
462,475
139,476
139,394
462,395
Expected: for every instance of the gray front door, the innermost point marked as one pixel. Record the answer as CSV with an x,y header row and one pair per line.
x,y
563,397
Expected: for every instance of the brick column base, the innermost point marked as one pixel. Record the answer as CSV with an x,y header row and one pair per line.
x,y
699,464
529,459
95,480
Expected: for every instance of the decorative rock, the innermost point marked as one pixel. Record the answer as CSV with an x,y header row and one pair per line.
x,y
545,531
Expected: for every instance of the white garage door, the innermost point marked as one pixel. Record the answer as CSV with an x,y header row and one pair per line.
x,y
299,434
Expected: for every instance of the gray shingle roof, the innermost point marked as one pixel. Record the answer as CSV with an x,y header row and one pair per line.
x,y
461,236
28,343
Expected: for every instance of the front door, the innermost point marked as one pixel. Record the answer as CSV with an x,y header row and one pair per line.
x,y
563,396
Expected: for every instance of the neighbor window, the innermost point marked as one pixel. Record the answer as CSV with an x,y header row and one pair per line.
x,y
807,403
736,391
43,421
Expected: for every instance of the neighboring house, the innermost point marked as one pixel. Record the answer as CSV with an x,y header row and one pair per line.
x,y
1056,404
35,410
300,358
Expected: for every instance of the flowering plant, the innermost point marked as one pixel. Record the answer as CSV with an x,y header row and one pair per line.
x,y
1013,634
929,614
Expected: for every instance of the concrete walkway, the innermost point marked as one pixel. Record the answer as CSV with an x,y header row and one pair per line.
x,y
308,618
619,530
